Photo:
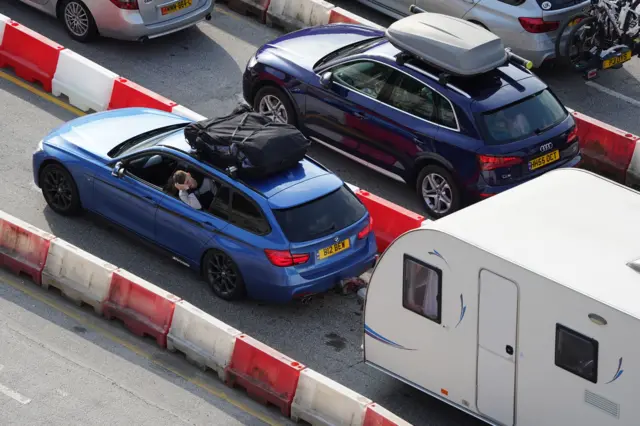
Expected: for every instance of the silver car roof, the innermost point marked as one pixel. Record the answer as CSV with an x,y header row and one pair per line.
x,y
451,44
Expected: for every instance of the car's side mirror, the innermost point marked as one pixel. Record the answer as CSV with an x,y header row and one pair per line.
x,y
325,79
118,170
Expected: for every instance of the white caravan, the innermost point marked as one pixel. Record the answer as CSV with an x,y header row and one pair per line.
x,y
523,309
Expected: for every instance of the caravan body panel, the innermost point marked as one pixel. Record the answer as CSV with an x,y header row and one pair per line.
x,y
569,367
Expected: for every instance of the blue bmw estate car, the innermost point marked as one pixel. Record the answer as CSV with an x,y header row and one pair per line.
x,y
290,235
455,141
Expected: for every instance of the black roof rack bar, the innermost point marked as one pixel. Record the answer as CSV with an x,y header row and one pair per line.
x,y
402,57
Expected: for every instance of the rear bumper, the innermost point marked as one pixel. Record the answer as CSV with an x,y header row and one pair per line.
x,y
128,24
293,286
483,190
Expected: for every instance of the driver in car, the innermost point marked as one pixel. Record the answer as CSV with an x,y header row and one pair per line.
x,y
191,192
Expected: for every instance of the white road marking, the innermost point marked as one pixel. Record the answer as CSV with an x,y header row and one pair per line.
x,y
613,93
13,394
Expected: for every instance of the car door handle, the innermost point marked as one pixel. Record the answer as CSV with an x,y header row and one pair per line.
x,y
360,115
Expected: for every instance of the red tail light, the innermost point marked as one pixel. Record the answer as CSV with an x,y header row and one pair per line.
x,y
126,4
573,135
284,258
538,25
488,162
365,231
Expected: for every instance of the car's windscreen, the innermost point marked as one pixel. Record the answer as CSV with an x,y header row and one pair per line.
x,y
320,217
351,49
530,116
145,140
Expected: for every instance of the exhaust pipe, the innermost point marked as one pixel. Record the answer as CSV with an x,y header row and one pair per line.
x,y
144,39
306,300
208,17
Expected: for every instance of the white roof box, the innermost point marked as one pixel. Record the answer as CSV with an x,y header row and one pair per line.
x,y
451,44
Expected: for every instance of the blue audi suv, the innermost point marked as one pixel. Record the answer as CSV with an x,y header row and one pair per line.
x,y
456,140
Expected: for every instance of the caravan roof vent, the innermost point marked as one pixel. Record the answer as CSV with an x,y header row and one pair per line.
x,y
635,265
451,44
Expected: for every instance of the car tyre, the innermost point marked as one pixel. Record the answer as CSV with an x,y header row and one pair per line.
x,y
274,103
78,21
223,275
59,190
438,190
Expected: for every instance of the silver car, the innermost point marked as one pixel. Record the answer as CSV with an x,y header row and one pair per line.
x,y
125,19
529,27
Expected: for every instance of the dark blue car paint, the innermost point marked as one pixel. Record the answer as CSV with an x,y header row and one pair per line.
x,y
385,137
81,146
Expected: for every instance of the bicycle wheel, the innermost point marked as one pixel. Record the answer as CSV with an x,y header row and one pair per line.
x,y
582,39
560,53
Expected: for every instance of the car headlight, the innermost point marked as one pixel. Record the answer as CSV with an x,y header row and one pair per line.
x,y
40,147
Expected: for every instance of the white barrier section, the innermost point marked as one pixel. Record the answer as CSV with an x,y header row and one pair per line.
x,y
85,83
80,276
205,340
633,171
3,22
305,12
187,113
321,401
352,187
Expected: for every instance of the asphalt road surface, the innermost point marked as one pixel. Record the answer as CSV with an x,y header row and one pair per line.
x,y
63,365
325,335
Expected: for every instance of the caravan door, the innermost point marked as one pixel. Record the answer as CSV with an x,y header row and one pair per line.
x,y
497,328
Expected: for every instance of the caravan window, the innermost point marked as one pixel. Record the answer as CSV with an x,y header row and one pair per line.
x,y
577,353
422,287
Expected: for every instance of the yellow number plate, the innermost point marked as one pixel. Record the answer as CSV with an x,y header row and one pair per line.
x,y
616,61
331,250
543,160
182,4
574,22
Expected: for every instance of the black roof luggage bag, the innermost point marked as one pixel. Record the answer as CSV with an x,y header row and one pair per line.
x,y
255,145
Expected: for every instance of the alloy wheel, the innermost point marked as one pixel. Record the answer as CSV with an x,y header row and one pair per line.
x,y
58,190
222,274
437,193
273,108
76,19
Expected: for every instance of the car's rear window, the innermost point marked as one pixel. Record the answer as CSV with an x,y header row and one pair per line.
x,y
320,217
527,117
558,4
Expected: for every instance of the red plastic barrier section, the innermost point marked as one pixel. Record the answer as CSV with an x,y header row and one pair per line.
x,y
23,249
128,94
378,416
389,219
336,16
266,374
606,150
144,308
32,56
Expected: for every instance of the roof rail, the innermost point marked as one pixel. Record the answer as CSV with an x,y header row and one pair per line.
x,y
443,78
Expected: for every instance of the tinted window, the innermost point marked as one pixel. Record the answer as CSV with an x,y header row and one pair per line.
x,y
559,4
422,285
446,116
247,215
320,217
525,118
365,77
219,207
155,169
409,95
576,353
